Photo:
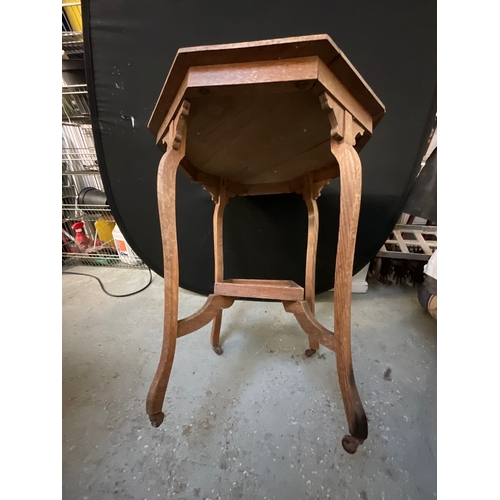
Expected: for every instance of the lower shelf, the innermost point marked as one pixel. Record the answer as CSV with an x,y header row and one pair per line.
x,y
82,259
260,289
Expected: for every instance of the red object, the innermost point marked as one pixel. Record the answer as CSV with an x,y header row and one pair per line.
x,y
80,237
68,246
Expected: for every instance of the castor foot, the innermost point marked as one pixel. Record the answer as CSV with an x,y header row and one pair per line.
x,y
157,419
310,352
350,444
217,349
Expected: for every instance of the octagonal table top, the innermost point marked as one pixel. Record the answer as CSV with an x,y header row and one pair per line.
x,y
255,116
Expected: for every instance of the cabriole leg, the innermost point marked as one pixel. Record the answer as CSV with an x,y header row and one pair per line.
x,y
350,200
312,245
167,171
220,205
344,132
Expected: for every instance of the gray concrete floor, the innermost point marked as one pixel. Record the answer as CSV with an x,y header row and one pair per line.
x,y
262,421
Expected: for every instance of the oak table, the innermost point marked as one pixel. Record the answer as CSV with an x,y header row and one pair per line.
x,y
267,117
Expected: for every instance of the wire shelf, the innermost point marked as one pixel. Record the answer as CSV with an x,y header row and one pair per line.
x,y
75,182
99,247
75,103
72,212
72,44
80,170
78,135
79,160
97,260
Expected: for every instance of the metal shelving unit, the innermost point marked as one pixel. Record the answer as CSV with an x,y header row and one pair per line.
x,y
72,44
75,104
83,197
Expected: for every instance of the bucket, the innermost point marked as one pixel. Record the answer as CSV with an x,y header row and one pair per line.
x,y
104,227
125,253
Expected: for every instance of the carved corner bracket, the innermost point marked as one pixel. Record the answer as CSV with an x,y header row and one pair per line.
x,y
344,128
309,189
219,192
213,190
177,130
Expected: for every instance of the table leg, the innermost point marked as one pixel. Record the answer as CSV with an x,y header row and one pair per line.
x,y
312,245
166,207
220,205
350,200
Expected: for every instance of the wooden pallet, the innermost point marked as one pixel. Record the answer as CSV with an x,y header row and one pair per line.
x,y
407,242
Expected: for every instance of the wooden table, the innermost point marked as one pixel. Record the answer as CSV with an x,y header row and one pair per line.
x,y
274,116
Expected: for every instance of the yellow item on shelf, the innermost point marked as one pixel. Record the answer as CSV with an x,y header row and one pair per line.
x,y
74,14
104,227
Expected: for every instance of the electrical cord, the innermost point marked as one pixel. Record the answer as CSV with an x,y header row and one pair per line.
x,y
111,294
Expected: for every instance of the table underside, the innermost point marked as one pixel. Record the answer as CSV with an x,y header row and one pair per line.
x,y
258,138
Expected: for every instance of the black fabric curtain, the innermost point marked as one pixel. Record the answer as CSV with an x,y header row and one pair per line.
x,y
129,48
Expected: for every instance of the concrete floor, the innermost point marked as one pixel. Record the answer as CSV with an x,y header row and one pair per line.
x,y
262,421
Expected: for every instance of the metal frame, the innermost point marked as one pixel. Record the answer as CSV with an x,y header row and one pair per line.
x,y
80,169
75,103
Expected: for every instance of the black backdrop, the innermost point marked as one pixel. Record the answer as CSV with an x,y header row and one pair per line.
x,y
129,48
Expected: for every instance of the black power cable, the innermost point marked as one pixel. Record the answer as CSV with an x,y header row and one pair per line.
x,y
111,294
